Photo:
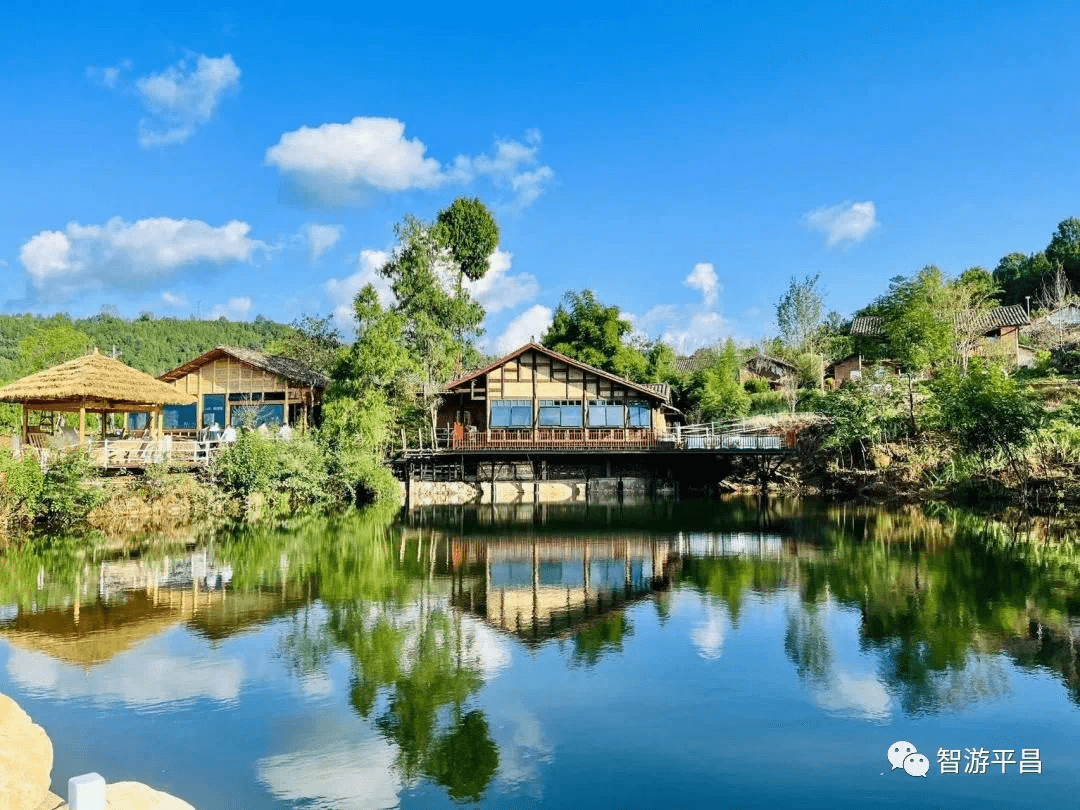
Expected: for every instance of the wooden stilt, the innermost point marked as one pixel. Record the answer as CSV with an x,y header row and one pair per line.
x,y
82,426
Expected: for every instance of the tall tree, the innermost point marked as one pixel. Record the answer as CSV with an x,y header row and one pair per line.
x,y
715,391
470,234
314,341
583,328
1064,248
800,313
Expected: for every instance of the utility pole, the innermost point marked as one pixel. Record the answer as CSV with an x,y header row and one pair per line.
x,y
115,352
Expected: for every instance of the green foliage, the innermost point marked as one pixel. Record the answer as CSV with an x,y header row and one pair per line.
x,y
150,345
250,464
715,391
313,341
353,434
916,324
768,402
66,496
21,485
50,346
1064,249
470,233
799,314
986,411
583,328
757,385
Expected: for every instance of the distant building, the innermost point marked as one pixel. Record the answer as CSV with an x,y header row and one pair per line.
x,y
771,369
854,367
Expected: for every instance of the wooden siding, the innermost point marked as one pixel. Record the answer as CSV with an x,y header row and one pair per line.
x,y
535,376
227,375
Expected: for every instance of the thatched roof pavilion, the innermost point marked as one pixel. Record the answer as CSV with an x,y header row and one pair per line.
x,y
92,383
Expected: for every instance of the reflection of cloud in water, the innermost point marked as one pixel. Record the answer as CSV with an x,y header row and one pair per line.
x,y
318,685
352,776
522,748
855,695
142,678
708,637
485,649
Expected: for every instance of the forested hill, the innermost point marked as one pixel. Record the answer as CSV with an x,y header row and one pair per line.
x,y
149,344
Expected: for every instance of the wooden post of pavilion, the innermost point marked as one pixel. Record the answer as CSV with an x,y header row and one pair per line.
x,y
82,425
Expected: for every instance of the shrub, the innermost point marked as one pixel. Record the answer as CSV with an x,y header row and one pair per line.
x,y
250,464
757,385
65,496
21,485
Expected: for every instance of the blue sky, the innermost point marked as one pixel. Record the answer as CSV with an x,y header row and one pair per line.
x,y
253,159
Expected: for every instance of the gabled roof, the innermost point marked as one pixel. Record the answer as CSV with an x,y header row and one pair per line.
x,y
759,359
292,370
659,391
867,325
93,376
996,318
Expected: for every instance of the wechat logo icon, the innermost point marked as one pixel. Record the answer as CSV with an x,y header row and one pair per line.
x,y
904,755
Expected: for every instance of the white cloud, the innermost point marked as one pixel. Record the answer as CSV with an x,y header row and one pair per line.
x,y
703,278
183,97
123,255
682,328
235,309
108,76
320,238
844,222
498,289
173,300
145,676
336,163
342,292
532,323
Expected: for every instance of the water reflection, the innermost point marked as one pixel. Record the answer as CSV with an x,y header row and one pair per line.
x,y
875,615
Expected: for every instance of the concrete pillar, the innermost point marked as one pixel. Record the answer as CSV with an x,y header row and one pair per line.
x,y
86,792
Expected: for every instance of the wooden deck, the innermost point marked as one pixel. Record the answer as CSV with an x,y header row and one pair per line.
x,y
138,454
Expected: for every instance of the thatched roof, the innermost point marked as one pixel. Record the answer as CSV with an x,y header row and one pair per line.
x,y
292,370
93,377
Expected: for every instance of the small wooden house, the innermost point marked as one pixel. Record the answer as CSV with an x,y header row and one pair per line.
x,y
856,367
771,369
536,397
237,386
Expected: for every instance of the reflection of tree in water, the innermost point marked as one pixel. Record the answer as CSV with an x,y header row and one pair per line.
x,y
939,597
414,665
420,664
806,642
600,637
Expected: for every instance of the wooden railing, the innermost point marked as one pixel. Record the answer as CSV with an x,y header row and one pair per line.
x,y
719,436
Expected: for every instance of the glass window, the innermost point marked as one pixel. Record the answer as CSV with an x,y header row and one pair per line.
x,y
511,413
270,415
213,409
639,414
180,417
605,414
138,421
560,413
246,397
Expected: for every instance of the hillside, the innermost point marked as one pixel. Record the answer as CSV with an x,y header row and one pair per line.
x,y
149,344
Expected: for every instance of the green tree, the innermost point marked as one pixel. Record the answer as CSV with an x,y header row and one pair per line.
x,y
986,411
587,330
313,341
715,391
1064,249
470,234
799,314
51,346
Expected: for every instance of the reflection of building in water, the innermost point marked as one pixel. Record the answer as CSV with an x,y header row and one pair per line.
x,y
135,600
544,587
701,544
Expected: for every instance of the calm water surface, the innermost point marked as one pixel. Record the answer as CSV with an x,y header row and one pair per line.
x,y
651,656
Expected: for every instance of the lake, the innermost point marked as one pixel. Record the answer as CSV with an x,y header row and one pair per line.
x,y
657,655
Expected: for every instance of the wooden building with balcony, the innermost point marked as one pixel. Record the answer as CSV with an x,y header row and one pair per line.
x,y
537,398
